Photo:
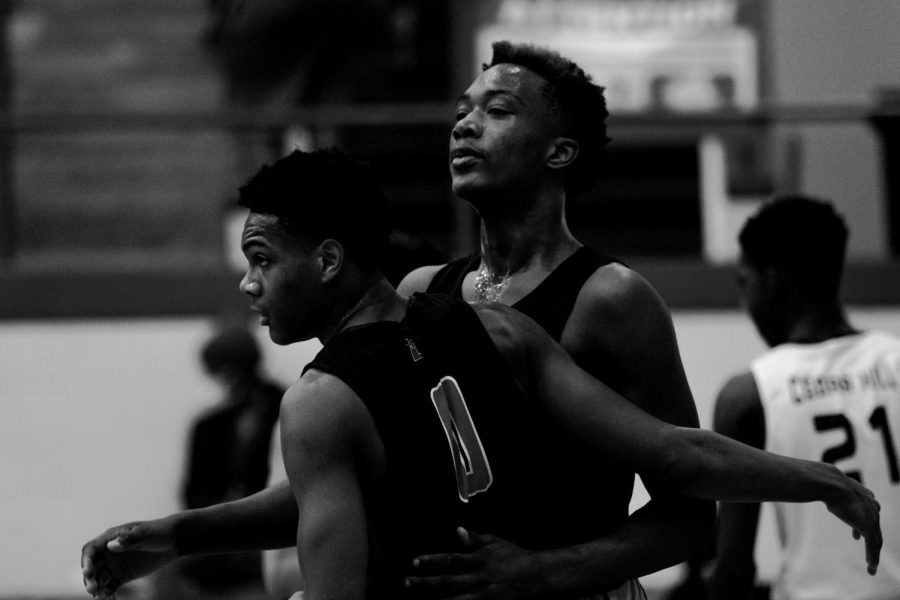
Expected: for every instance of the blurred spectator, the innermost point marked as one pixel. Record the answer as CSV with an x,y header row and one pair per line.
x,y
229,445
228,458
287,54
309,49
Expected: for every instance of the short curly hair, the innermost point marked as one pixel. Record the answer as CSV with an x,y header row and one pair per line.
x,y
804,236
324,194
574,97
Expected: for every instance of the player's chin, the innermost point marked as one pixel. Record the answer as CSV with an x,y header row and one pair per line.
x,y
277,335
467,186
285,337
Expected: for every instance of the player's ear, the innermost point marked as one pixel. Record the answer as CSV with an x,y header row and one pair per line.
x,y
776,283
330,259
563,152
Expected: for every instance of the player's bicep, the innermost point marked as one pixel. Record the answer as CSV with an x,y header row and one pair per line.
x,y
591,412
627,328
322,426
332,543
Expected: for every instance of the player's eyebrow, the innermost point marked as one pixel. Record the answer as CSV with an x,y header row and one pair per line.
x,y
491,94
250,240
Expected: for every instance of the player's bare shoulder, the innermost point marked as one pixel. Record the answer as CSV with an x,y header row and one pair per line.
x,y
323,419
418,279
318,404
616,299
615,288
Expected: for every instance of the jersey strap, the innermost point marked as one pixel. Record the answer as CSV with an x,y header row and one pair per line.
x,y
550,303
449,279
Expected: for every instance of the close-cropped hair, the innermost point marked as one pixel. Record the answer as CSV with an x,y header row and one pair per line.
x,y
235,347
324,194
804,236
573,97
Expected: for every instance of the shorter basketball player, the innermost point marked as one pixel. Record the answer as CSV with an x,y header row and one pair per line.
x,y
825,391
423,414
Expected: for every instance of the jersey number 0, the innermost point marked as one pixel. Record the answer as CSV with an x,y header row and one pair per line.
x,y
473,472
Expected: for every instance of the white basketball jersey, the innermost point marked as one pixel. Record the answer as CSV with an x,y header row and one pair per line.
x,y
839,402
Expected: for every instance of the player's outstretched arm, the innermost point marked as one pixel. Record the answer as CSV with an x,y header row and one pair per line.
x,y
125,553
262,521
692,461
265,520
621,331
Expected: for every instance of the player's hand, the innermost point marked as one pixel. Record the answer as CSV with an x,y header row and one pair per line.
x,y
124,553
859,509
490,567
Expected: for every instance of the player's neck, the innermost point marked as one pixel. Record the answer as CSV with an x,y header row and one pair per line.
x,y
375,301
820,324
518,242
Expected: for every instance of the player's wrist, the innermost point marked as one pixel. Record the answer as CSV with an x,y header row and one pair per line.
x,y
837,489
179,525
569,572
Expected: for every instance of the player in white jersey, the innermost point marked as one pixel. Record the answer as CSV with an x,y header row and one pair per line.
x,y
825,391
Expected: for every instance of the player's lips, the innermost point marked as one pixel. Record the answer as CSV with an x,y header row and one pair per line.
x,y
263,316
462,156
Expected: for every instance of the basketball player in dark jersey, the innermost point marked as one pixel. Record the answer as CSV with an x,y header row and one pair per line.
x,y
425,413
529,132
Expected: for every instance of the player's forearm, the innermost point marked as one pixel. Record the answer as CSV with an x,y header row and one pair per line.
x,y
708,465
663,533
263,521
667,531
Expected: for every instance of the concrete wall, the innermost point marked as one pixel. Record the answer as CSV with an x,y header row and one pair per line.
x,y
837,52
93,425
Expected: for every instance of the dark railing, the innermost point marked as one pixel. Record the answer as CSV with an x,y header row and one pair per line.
x,y
660,123
683,282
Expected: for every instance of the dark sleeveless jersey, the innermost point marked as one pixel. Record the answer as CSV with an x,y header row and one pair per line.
x,y
464,446
550,304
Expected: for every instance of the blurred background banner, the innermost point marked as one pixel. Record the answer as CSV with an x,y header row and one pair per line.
x,y
126,127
